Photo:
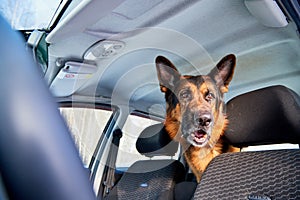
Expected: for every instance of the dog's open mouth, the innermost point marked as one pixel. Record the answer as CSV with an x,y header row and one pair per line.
x,y
199,137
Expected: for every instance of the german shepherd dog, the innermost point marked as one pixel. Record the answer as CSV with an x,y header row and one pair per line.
x,y
195,110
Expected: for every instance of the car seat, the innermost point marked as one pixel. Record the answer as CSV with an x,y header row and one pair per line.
x,y
151,179
265,116
39,159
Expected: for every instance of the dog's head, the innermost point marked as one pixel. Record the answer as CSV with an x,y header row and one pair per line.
x,y
195,107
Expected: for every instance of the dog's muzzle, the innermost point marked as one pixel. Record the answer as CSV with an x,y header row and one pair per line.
x,y
199,134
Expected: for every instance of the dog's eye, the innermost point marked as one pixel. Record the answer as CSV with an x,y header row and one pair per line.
x,y
209,97
185,94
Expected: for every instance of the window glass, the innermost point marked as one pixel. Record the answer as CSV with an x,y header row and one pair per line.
x,y
28,14
128,153
86,126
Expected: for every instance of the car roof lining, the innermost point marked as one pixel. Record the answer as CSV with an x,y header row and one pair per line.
x,y
274,49
113,16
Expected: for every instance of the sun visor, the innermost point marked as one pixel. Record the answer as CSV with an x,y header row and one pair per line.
x,y
71,77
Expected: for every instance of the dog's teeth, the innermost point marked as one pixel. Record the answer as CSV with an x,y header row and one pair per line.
x,y
200,140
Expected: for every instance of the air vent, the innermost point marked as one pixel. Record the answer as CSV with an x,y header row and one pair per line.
x,y
104,49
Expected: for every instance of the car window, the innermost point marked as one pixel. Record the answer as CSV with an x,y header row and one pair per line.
x,y
86,126
28,14
128,153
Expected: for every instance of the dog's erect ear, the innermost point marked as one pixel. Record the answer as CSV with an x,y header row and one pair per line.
x,y
166,72
223,72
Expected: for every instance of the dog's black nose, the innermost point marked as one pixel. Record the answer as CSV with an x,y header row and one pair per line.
x,y
204,120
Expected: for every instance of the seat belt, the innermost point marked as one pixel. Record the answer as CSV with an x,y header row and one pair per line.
x,y
111,164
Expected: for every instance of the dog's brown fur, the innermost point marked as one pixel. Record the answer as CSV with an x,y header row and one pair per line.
x,y
195,110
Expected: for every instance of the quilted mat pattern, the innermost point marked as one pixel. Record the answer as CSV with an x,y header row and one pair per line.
x,y
260,175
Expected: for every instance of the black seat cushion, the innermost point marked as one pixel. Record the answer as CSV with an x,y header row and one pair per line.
x,y
149,179
265,116
246,175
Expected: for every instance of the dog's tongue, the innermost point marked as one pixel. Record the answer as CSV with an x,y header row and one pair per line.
x,y
199,134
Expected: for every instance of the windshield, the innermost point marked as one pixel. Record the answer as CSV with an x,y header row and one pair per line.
x,y
28,14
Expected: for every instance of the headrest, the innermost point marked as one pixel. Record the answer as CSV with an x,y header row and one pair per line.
x,y
155,141
266,116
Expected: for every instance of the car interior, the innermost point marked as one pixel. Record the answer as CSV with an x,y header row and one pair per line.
x,y
100,56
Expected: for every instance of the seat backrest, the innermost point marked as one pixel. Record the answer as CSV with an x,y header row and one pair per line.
x,y
155,141
38,158
151,179
265,116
